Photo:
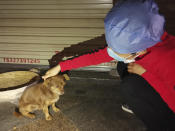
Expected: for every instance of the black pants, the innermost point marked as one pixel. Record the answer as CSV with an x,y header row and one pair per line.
x,y
145,102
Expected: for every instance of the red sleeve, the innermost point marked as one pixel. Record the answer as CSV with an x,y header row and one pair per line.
x,y
158,85
86,60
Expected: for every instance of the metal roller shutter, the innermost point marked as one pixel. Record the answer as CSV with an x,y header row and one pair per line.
x,y
32,31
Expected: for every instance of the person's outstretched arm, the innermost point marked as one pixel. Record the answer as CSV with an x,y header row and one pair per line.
x,y
94,58
85,60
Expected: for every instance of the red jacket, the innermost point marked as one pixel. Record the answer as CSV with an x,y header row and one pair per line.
x,y
159,63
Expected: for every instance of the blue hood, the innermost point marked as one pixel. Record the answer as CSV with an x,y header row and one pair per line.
x,y
133,25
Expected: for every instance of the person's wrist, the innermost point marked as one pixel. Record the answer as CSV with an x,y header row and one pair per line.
x,y
58,67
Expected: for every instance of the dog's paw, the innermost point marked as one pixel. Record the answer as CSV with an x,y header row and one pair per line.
x,y
56,109
48,118
32,116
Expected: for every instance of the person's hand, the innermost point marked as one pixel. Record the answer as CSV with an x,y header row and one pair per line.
x,y
52,72
136,68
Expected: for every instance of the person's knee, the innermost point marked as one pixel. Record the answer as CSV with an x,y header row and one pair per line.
x,y
128,81
131,85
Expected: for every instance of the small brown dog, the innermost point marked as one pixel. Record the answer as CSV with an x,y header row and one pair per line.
x,y
41,96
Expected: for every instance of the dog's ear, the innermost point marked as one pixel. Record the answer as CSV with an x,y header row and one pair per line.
x,y
66,77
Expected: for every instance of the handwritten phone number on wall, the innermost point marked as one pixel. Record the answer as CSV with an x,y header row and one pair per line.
x,y
22,60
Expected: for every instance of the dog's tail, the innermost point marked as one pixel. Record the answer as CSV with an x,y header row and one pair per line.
x,y
17,113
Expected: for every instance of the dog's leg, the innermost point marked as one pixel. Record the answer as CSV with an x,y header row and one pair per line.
x,y
26,112
46,112
55,108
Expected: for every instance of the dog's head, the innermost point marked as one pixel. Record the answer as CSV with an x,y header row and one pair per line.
x,y
56,83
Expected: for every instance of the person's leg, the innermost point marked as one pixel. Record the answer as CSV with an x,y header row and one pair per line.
x,y
144,101
122,70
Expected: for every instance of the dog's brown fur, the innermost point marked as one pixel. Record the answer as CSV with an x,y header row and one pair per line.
x,y
41,96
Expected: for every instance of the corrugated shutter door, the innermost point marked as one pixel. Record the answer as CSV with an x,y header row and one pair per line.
x,y
32,31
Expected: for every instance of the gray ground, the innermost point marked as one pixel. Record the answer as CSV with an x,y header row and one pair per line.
x,y
91,102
